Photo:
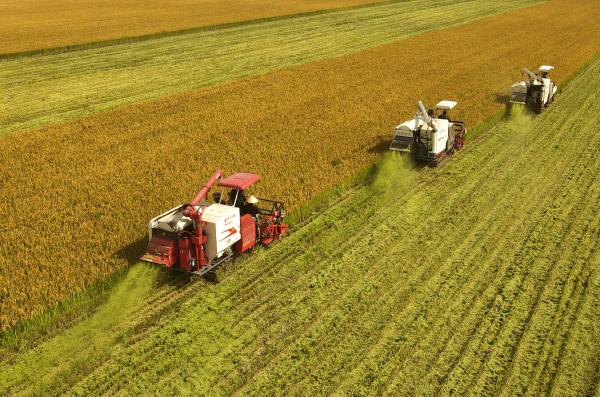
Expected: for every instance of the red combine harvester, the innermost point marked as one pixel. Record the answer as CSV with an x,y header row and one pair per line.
x,y
199,236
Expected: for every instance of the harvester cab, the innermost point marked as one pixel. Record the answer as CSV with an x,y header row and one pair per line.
x,y
199,236
431,135
264,215
537,91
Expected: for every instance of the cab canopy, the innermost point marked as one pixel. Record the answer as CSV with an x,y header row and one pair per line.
x,y
446,105
240,181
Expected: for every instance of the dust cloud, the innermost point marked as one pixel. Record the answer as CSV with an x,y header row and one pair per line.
x,y
84,345
394,173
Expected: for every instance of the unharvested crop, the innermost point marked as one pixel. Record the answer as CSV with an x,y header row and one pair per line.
x,y
33,25
76,197
54,88
480,277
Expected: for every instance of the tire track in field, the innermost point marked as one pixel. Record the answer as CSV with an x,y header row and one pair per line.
x,y
576,250
482,331
469,293
571,214
394,304
490,215
330,304
563,319
502,277
376,302
592,144
585,365
402,375
460,353
513,327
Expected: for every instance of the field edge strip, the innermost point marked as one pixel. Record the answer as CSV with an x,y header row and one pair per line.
x,y
180,32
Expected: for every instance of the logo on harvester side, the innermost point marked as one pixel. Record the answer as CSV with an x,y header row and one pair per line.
x,y
230,232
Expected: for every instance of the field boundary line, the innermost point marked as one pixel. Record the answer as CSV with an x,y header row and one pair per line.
x,y
178,32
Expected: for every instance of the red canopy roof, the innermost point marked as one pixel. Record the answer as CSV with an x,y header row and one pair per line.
x,y
242,180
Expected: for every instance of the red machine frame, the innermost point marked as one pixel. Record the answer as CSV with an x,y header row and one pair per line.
x,y
185,250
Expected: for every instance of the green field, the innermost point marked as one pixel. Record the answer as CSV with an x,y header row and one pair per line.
x,y
479,277
52,88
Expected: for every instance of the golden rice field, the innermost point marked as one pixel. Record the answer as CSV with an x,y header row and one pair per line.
x,y
90,186
32,25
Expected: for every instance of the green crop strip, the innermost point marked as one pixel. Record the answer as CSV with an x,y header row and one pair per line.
x,y
52,88
170,33
477,277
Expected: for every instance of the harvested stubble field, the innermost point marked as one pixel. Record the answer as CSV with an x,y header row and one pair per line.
x,y
32,25
90,186
481,277
69,85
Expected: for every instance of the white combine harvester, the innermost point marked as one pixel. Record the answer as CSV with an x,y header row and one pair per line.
x,y
537,92
430,138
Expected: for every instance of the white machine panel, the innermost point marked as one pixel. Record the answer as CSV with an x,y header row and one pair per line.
x,y
547,88
222,228
440,136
